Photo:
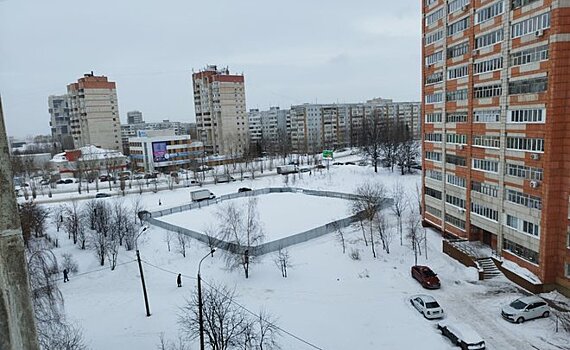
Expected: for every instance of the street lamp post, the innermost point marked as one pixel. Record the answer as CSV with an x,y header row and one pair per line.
x,y
201,320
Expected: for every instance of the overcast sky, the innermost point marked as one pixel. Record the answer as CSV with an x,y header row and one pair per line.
x,y
291,52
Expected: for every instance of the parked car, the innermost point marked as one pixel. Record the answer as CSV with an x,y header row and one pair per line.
x,y
349,163
338,163
244,189
44,182
320,166
524,309
102,195
304,169
425,276
461,335
427,306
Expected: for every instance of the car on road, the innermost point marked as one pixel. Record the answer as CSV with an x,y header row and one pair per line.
x,y
244,189
524,309
461,335
427,306
304,169
427,278
350,163
320,166
338,163
102,195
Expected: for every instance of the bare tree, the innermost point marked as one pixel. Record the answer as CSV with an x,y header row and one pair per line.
x,y
73,221
399,203
372,140
267,331
366,206
283,261
97,241
414,234
57,216
112,249
33,218
340,236
168,238
183,243
384,231
243,229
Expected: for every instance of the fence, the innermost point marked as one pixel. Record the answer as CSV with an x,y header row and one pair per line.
x,y
264,248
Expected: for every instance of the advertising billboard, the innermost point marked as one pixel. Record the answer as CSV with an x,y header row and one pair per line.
x,y
159,153
327,154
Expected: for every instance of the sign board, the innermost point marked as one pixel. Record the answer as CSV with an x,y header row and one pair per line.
x,y
327,154
159,153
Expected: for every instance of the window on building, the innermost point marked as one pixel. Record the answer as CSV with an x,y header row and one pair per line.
x,y
433,211
486,66
458,26
434,78
489,39
456,160
524,199
457,72
455,180
435,156
429,2
432,193
484,211
485,165
487,116
485,188
458,50
524,172
433,37
456,95
452,220
432,137
525,144
434,58
520,3
434,174
522,225
486,13
457,117
456,138
530,115
455,201
434,16
487,91
520,251
456,5
487,141
530,25
567,270
434,98
433,118
528,86
536,54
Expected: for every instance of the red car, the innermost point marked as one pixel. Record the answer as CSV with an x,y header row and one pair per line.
x,y
425,276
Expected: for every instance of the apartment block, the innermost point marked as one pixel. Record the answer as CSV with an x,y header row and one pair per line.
x,y
269,129
135,117
60,123
496,133
221,118
94,112
315,127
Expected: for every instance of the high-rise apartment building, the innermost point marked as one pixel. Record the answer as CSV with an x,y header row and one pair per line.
x,y
58,107
221,118
134,117
94,112
315,127
269,129
496,133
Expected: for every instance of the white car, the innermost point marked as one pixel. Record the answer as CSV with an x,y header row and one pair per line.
x,y
524,309
427,306
461,335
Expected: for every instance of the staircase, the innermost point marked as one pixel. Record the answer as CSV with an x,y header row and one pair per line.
x,y
490,270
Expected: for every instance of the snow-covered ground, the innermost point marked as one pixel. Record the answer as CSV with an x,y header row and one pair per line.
x,y
329,300
281,214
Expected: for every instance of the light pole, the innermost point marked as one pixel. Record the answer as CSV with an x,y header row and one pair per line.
x,y
201,320
204,137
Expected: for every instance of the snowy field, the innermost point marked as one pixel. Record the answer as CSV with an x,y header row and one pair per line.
x,y
281,214
329,300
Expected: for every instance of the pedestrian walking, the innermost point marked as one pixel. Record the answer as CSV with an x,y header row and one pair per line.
x,y
159,202
179,280
65,275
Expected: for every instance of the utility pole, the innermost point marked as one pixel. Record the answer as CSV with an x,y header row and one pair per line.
x,y
143,285
17,322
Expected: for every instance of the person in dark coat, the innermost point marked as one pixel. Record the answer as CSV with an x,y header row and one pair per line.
x,y
179,280
65,275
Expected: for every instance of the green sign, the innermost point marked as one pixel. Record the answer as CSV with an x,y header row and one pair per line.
x,y
327,153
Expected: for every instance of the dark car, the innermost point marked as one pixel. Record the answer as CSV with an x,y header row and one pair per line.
x,y
338,163
350,163
102,195
244,189
320,166
425,276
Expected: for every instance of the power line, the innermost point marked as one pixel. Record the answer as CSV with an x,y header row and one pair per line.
x,y
241,306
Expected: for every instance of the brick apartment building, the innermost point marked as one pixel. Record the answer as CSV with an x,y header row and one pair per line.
x,y
496,128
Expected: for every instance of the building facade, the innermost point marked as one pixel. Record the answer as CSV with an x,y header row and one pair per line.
x,y
60,122
135,117
315,127
496,134
162,150
94,112
268,129
221,118
131,130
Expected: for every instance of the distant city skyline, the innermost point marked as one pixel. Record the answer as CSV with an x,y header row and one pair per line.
x,y
311,52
